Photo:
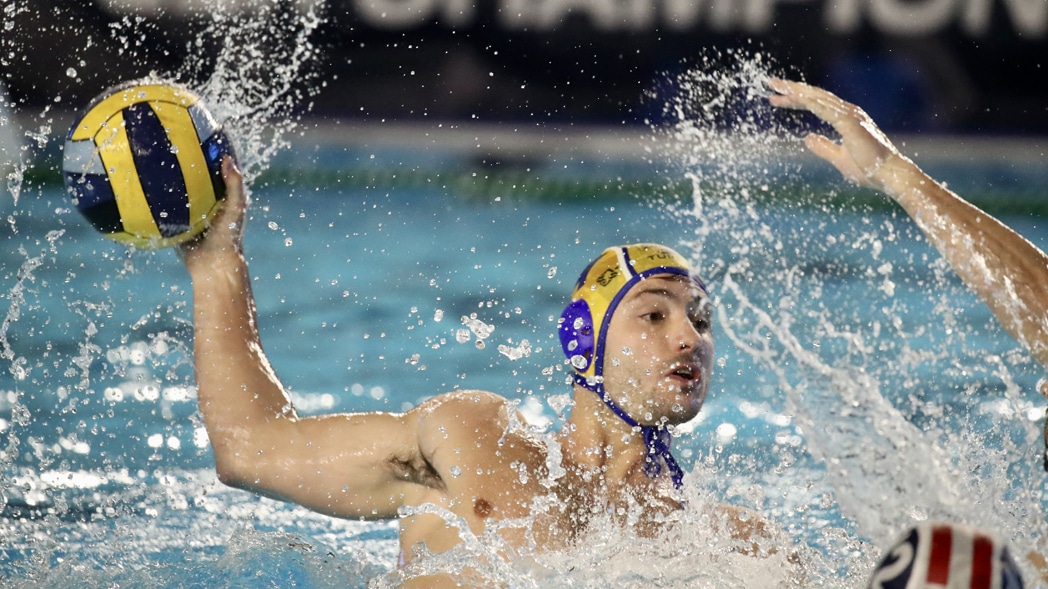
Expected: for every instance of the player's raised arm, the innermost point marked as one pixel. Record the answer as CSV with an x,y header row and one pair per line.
x,y
345,465
1009,273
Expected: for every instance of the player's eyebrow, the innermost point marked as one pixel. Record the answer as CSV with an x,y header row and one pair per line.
x,y
652,288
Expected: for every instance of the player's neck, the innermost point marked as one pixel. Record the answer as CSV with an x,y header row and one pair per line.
x,y
596,440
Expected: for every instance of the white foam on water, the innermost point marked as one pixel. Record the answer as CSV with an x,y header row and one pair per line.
x,y
692,550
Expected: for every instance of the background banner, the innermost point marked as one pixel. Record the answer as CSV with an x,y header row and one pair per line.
x,y
952,66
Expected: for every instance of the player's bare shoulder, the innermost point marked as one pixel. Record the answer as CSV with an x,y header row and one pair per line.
x,y
487,467
481,445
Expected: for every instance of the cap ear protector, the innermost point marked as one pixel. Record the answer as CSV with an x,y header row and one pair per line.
x,y
576,334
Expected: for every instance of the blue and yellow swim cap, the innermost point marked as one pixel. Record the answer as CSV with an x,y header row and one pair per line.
x,y
584,324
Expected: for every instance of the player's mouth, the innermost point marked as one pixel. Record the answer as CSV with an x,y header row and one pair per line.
x,y
686,375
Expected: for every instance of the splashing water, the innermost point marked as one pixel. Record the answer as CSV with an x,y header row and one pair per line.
x,y
942,431
857,448
78,455
263,76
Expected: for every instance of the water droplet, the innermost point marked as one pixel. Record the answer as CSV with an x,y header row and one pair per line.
x,y
71,72
455,471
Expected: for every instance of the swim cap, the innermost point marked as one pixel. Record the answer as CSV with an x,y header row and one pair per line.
x,y
584,324
946,556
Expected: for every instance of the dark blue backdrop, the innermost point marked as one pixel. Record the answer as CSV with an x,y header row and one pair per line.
x,y
973,66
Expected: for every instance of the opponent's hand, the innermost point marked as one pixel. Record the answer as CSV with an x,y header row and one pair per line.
x,y
864,149
226,230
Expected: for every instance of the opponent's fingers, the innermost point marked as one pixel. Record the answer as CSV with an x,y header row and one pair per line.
x,y
822,103
837,155
822,146
785,95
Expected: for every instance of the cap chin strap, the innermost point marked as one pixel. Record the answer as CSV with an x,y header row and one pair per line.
x,y
657,439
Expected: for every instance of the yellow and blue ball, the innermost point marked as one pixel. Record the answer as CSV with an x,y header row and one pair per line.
x,y
143,164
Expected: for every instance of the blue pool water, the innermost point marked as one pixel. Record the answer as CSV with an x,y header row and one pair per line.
x,y
859,386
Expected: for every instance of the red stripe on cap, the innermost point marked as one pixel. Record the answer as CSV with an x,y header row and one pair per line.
x,y
982,562
939,559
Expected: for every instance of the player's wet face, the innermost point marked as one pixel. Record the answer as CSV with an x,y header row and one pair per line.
x,y
658,356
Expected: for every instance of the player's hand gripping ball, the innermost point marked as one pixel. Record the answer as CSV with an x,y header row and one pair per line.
x,y
144,164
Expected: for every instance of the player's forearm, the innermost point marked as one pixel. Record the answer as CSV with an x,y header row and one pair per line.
x,y
238,392
1008,273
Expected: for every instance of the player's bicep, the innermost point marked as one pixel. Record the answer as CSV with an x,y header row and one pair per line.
x,y
345,465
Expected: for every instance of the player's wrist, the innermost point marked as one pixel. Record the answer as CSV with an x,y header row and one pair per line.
x,y
202,260
898,175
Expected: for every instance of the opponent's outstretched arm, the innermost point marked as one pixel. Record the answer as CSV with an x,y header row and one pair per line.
x,y
1009,273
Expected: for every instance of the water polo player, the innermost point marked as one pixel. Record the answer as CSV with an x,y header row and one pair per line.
x,y
637,335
